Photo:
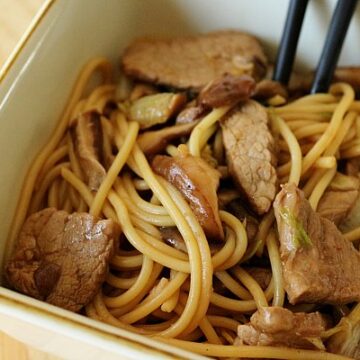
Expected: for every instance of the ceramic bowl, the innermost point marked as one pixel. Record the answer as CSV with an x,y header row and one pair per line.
x,y
34,86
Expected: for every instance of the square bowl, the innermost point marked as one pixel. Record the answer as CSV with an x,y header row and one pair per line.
x,y
34,86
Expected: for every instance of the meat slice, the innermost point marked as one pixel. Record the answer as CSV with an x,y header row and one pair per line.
x,y
339,198
192,62
198,182
300,83
61,258
277,326
152,142
227,90
319,264
86,135
250,153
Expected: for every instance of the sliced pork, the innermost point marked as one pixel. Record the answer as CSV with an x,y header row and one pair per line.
x,y
277,326
319,264
250,153
61,258
192,62
300,83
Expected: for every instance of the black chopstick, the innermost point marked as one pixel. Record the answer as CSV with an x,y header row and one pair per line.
x,y
334,39
289,40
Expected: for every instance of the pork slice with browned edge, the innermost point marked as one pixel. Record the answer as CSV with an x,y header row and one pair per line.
x,y
250,153
319,264
277,326
192,62
61,258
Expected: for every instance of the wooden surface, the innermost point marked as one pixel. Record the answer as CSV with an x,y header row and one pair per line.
x,y
15,17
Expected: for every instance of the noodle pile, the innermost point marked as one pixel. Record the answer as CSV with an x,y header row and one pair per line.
x,y
158,290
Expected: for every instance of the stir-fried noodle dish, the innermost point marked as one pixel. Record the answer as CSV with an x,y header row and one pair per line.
x,y
193,200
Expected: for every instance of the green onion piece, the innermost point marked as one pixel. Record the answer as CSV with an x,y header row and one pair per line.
x,y
301,238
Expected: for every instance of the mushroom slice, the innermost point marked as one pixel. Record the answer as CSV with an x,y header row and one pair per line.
x,y
152,142
198,183
86,134
156,109
227,90
347,340
191,114
172,236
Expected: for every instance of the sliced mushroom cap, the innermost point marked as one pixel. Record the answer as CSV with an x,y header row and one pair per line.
x,y
198,182
347,341
172,236
156,109
86,135
227,90
191,114
152,142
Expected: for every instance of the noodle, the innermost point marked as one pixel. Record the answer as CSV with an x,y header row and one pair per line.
x,y
115,169
273,249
